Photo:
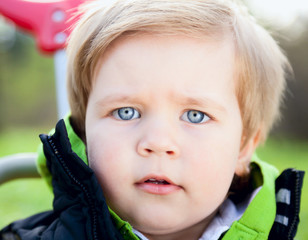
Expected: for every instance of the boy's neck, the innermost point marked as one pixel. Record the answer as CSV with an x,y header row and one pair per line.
x,y
193,233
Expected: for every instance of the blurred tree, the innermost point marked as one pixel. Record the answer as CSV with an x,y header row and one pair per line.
x,y
295,112
27,92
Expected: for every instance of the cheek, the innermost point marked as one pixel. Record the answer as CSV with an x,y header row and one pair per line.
x,y
213,149
212,168
103,143
210,177
110,168
213,158
100,147
105,157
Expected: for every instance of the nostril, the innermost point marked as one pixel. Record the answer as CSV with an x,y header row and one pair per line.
x,y
148,150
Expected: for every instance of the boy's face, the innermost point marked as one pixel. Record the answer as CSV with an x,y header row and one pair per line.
x,y
163,130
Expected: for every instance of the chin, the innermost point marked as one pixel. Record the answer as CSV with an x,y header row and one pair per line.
x,y
154,223
160,224
157,229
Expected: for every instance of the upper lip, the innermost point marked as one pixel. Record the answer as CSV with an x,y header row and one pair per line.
x,y
159,178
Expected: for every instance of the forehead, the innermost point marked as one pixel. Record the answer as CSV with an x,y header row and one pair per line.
x,y
168,62
147,39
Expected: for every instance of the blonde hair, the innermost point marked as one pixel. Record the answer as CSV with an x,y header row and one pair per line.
x,y
261,65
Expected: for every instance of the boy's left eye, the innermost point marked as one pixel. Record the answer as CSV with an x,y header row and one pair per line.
x,y
194,116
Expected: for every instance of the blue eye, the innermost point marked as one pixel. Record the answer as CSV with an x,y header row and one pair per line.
x,y
126,113
194,116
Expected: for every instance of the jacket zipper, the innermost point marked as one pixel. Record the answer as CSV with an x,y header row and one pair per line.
x,y
76,181
297,204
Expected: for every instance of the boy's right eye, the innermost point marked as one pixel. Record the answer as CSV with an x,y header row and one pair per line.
x,y
126,113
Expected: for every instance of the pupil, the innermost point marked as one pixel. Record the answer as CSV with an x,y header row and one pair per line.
x,y
195,116
126,113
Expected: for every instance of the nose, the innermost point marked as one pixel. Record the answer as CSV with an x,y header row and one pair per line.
x,y
158,140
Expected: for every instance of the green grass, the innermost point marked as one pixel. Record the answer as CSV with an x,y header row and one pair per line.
x,y
22,198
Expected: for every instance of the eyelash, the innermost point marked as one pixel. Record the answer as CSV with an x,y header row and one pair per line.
x,y
134,114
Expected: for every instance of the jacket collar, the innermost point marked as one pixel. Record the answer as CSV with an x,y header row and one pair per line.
x,y
259,216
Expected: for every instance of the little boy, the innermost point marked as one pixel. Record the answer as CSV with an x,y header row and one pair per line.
x,y
169,100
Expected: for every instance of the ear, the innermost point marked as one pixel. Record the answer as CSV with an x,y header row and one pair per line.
x,y
246,153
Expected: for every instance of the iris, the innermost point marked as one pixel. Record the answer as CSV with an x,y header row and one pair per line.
x,y
126,113
195,116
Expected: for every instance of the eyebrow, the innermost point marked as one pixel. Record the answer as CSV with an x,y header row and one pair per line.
x,y
182,100
203,102
116,98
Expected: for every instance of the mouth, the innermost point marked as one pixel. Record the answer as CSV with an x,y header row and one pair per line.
x,y
158,185
157,181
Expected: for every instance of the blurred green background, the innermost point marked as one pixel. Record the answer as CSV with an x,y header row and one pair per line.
x,y
28,108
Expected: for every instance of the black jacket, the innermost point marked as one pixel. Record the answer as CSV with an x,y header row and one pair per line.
x,y
80,210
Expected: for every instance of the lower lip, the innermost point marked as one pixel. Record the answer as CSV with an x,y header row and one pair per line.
x,y
158,189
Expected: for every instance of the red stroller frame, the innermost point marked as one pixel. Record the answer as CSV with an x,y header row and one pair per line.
x,y
49,21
